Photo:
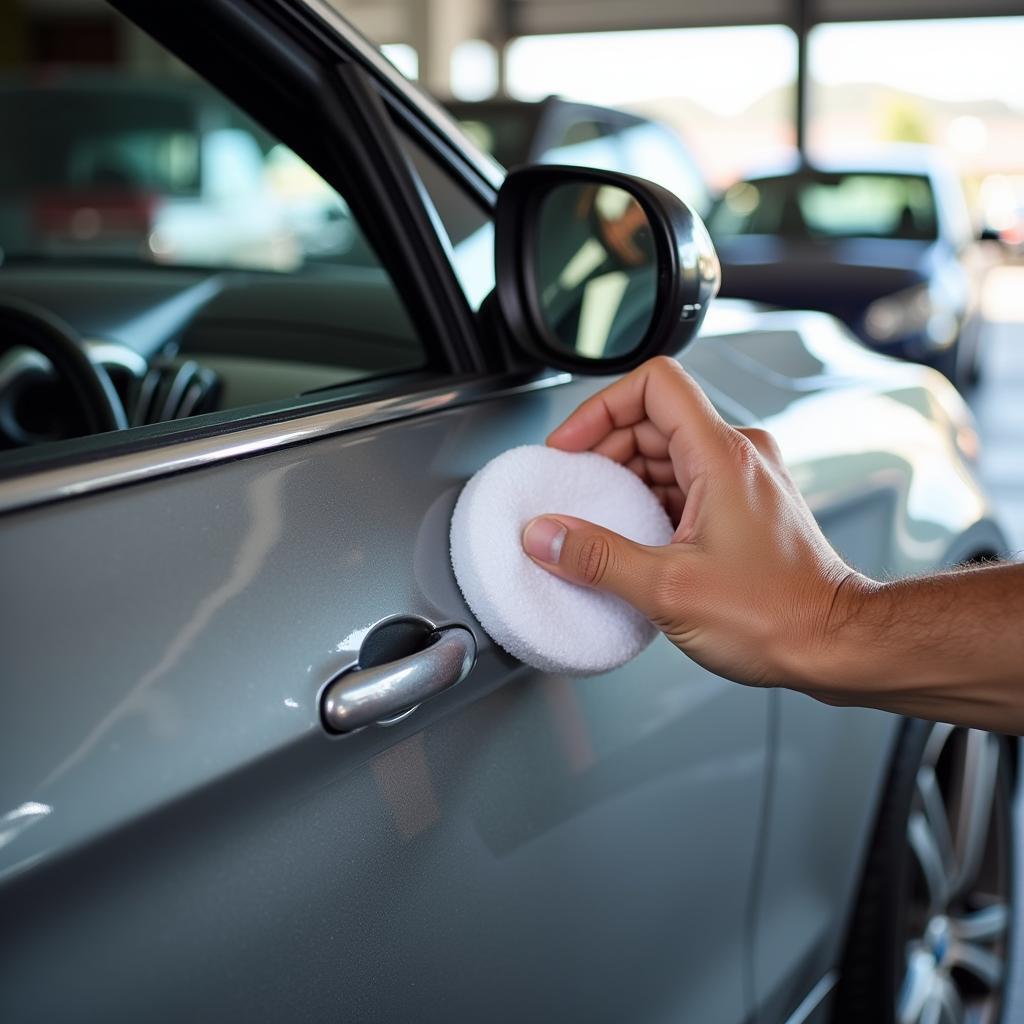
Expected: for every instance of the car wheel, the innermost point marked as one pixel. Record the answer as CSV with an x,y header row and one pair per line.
x,y
930,934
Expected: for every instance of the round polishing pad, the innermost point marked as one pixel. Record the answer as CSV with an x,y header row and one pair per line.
x,y
544,621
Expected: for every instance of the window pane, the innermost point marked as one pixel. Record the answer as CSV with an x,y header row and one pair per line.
x,y
207,266
464,227
830,205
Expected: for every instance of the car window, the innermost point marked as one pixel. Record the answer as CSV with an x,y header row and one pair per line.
x,y
505,131
830,206
465,227
206,265
586,142
869,205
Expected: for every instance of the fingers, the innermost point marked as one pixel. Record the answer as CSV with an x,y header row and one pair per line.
x,y
672,501
592,556
652,471
642,438
659,391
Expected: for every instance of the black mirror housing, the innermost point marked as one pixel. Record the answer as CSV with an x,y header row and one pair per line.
x,y
685,277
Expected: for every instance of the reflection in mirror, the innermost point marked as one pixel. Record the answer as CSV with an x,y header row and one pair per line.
x,y
595,270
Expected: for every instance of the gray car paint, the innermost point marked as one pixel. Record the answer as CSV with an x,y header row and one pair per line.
x,y
521,845
491,837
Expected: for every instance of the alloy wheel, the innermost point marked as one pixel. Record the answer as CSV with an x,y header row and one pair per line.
x,y
960,882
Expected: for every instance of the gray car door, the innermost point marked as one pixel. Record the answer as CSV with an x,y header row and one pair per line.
x,y
181,836
522,846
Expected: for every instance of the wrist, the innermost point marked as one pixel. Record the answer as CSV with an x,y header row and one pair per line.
x,y
834,665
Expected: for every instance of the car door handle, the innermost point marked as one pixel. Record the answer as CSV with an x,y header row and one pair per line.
x,y
363,696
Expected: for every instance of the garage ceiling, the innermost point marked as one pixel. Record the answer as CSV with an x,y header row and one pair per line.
x,y
529,17
391,20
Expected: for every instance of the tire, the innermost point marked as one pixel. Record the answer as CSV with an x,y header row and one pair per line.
x,y
932,947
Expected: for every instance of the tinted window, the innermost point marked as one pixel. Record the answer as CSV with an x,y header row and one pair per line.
x,y
505,132
830,206
99,137
463,225
207,266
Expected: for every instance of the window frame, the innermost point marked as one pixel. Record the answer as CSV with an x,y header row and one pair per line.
x,y
282,61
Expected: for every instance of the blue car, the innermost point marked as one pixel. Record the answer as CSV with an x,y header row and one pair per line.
x,y
885,244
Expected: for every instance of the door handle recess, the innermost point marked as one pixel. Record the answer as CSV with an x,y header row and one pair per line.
x,y
363,696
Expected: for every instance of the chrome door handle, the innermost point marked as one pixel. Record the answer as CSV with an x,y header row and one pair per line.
x,y
363,696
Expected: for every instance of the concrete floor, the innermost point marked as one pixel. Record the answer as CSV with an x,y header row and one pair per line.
x,y
999,407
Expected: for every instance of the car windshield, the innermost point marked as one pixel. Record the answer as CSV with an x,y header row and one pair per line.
x,y
856,205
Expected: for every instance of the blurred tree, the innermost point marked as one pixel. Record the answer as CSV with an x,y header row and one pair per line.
x,y
905,121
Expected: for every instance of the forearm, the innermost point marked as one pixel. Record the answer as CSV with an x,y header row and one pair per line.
x,y
948,647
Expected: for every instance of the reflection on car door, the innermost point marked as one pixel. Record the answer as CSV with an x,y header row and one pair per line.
x,y
521,847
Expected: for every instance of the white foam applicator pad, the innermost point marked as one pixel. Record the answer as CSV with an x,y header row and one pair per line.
x,y
544,621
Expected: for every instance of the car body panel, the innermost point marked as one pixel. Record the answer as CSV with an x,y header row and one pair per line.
x,y
454,838
469,817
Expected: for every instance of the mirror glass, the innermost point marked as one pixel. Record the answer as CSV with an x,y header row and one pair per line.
x,y
595,269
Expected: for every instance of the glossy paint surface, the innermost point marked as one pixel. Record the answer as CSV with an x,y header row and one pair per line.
x,y
178,830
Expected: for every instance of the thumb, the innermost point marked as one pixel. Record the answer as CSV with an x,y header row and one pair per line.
x,y
592,556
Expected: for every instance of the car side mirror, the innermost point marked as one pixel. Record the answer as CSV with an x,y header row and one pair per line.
x,y
598,271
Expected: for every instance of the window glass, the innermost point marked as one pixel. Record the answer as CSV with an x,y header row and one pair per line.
x,y
587,143
869,205
501,129
205,264
837,206
464,227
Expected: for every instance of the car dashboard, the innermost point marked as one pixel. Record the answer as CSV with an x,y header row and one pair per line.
x,y
177,342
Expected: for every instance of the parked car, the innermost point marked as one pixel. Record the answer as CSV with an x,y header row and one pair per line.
x,y
884,243
184,831
556,130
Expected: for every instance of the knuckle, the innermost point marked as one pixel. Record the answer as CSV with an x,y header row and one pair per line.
x,y
764,442
592,559
745,451
664,366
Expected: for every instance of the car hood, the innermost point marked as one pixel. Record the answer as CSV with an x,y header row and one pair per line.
x,y
841,277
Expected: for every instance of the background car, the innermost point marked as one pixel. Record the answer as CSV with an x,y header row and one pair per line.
x,y
556,130
182,835
885,243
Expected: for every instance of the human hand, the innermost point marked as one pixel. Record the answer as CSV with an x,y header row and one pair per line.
x,y
748,584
